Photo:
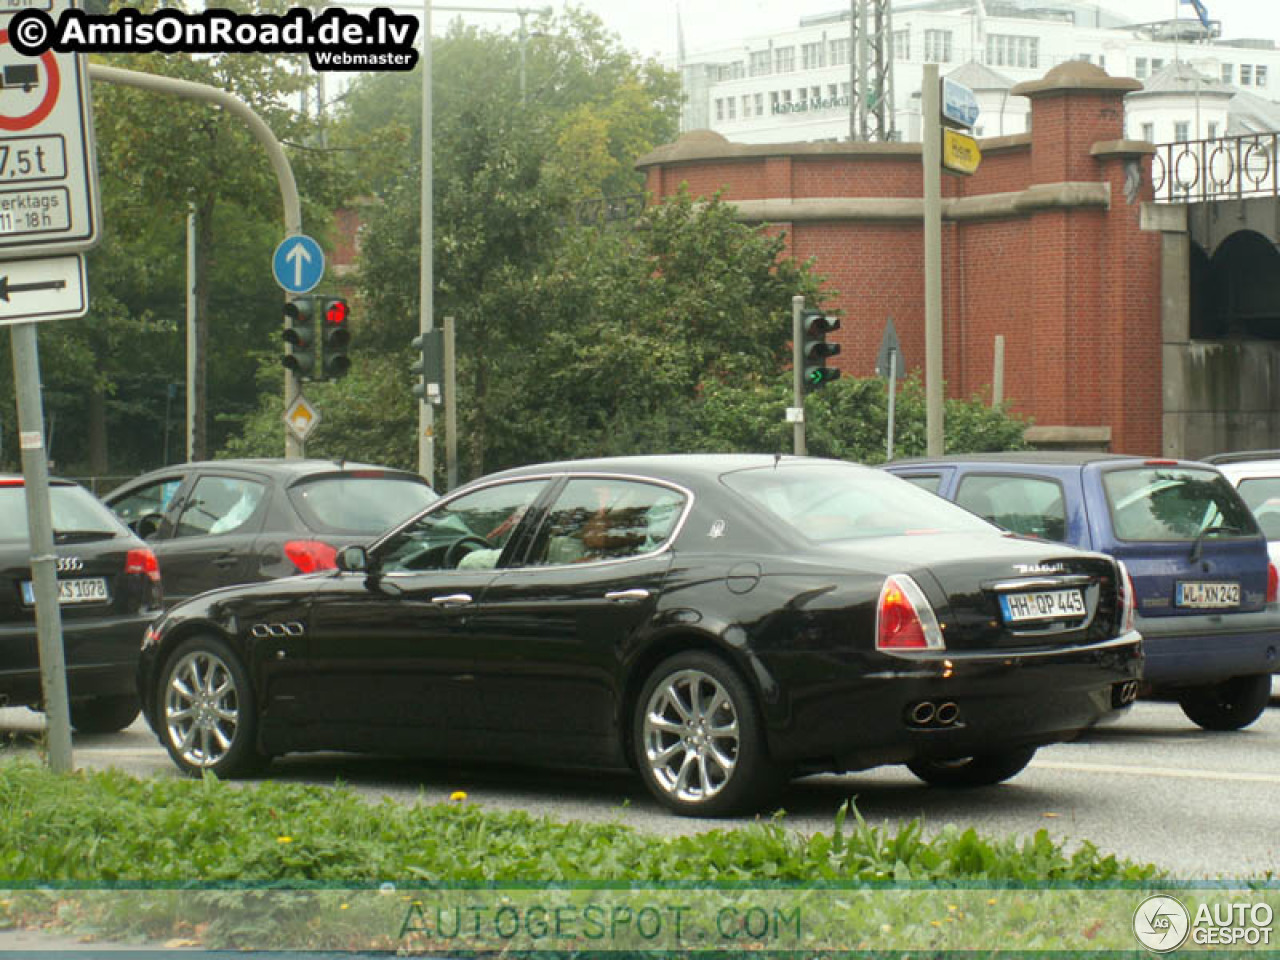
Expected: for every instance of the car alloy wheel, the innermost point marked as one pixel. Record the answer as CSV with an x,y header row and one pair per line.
x,y
206,709
698,739
691,736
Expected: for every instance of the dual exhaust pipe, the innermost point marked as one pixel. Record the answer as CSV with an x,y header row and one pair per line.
x,y
927,713
1123,694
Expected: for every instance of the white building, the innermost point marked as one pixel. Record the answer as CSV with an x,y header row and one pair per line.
x,y
795,86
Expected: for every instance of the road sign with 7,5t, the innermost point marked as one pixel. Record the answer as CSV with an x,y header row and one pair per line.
x,y
48,167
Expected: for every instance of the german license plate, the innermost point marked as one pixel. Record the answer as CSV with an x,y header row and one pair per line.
x,y
1042,605
1196,595
87,590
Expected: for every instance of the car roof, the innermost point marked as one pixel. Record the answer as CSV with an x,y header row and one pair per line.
x,y
674,466
1069,458
282,467
1243,456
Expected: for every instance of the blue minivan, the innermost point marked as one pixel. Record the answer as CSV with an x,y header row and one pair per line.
x,y
1205,587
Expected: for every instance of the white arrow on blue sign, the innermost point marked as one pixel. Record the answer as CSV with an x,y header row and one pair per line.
x,y
959,105
298,263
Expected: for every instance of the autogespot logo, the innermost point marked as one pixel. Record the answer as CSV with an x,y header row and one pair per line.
x,y
1161,923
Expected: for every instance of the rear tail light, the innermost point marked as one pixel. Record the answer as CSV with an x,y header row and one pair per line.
x,y
142,561
904,618
1273,583
1128,599
311,555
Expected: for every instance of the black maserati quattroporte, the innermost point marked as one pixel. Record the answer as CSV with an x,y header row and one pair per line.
x,y
719,623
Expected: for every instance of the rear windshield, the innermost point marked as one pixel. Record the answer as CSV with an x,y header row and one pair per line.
x,y
369,504
1175,503
76,515
826,502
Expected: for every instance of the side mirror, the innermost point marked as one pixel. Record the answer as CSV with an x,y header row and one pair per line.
x,y
353,560
147,525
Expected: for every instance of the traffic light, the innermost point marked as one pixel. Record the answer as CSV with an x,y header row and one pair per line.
x,y
815,351
335,320
300,337
428,364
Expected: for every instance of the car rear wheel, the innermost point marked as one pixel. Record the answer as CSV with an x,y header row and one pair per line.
x,y
207,712
980,770
104,714
698,739
1230,705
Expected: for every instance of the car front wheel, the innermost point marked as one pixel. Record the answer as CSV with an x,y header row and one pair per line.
x,y
207,711
1230,705
981,770
104,714
698,739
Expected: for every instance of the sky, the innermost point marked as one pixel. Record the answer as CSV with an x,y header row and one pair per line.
x,y
649,26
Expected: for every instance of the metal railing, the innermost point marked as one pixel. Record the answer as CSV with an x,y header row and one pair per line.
x,y
1222,169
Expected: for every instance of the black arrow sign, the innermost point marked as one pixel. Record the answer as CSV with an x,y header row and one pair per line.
x,y
7,288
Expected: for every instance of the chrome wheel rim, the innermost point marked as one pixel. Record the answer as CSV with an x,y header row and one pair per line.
x,y
201,708
691,736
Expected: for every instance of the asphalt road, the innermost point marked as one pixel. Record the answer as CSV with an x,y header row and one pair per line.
x,y
1153,787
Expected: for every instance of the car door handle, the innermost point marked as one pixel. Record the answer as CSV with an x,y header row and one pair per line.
x,y
452,600
627,596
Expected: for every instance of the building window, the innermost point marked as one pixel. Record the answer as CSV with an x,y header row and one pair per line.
x,y
937,46
811,55
1140,68
1085,58
1246,75
746,105
784,60
1149,132
1260,75
838,52
1157,64
1213,130
1102,60
730,71
774,101
845,89
759,104
760,63
732,105
1009,51
786,96
1182,131
815,93
902,44
1228,73
719,109
832,91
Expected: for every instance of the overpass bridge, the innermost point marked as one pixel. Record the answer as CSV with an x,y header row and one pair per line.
x,y
1217,206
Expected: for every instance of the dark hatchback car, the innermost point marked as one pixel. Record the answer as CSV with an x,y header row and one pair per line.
x,y
1206,590
718,622
108,591
216,523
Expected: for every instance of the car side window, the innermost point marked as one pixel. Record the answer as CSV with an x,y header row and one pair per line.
x,y
149,501
595,518
219,505
469,532
925,481
1030,506
1262,495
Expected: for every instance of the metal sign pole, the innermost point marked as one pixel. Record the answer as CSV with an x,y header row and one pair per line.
x,y
797,380
44,575
893,396
932,162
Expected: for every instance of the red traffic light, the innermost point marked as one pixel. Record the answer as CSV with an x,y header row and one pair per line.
x,y
335,312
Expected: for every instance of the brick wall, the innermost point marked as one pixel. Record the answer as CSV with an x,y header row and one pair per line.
x,y
1072,285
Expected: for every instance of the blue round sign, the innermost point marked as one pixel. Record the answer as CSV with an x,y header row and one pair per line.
x,y
298,263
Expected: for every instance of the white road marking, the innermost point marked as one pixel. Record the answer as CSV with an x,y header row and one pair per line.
x,y
1168,773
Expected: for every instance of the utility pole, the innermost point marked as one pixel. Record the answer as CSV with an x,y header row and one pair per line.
x,y
426,289
931,106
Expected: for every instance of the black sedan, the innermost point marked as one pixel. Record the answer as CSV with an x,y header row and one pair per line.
x,y
219,522
717,622
108,592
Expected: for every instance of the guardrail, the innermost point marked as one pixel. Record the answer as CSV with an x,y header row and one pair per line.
x,y
1222,169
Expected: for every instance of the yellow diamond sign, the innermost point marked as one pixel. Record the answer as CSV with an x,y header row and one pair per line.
x,y
302,418
960,153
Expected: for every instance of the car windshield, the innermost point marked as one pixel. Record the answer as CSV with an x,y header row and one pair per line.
x,y
76,514
826,502
359,503
1159,503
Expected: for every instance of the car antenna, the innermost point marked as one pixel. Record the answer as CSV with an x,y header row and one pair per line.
x,y
777,459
